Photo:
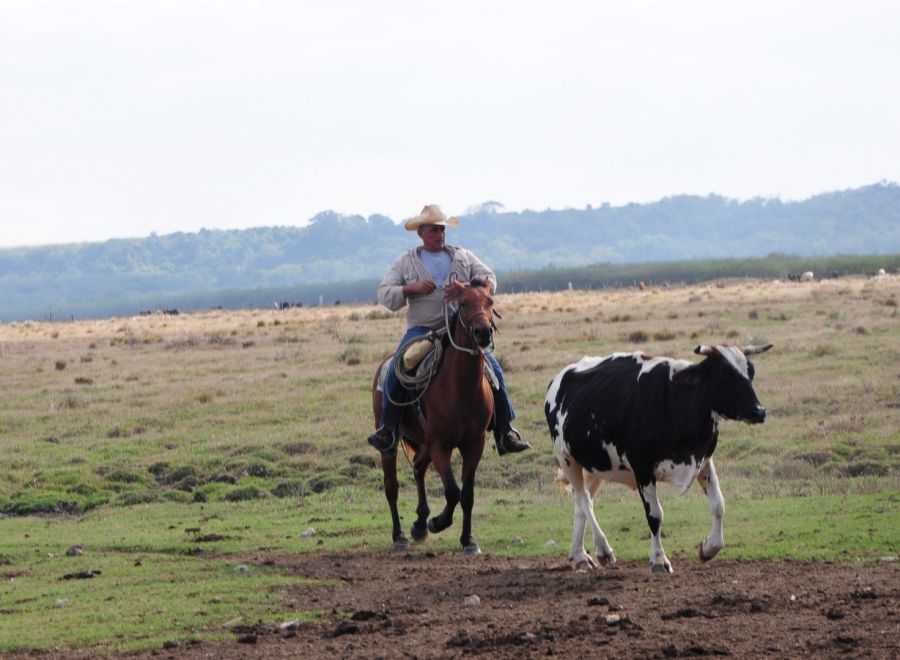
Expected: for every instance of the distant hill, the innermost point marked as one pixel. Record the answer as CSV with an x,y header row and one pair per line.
x,y
120,276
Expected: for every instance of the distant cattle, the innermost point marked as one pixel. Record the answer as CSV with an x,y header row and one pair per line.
x,y
284,304
640,420
808,276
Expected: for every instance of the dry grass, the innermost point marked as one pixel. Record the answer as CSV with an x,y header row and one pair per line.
x,y
224,392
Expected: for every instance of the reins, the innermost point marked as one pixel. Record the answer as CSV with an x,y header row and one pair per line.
x,y
467,328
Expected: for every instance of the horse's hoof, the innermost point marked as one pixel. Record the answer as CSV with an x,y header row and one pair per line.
x,y
471,550
661,568
401,544
700,552
418,534
607,560
432,527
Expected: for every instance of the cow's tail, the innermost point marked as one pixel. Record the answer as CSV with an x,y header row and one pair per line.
x,y
562,480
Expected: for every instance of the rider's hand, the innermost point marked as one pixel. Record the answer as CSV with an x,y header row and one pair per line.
x,y
420,288
453,290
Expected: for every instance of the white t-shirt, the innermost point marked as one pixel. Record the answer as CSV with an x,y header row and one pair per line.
x,y
438,264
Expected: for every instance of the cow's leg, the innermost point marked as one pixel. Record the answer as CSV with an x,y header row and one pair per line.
x,y
471,456
419,531
659,563
583,510
391,491
602,550
440,458
709,482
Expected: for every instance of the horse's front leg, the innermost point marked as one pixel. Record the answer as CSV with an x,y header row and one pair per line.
x,y
440,457
471,456
419,531
391,491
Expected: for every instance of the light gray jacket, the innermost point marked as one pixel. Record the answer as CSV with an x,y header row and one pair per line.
x,y
428,310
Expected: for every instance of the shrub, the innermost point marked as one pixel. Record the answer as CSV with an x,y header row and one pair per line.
x,y
321,483
351,356
60,365
289,489
363,459
133,497
243,493
637,337
294,448
188,484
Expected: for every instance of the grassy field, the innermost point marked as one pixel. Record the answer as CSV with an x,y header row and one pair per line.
x,y
181,451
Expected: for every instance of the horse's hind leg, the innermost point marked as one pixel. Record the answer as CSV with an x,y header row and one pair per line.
x,y
419,531
440,457
471,456
391,491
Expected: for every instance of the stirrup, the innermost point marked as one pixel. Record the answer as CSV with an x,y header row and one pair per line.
x,y
384,440
510,442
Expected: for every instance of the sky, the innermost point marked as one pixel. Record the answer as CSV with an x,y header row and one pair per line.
x,y
127,117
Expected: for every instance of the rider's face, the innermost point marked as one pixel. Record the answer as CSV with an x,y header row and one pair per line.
x,y
432,237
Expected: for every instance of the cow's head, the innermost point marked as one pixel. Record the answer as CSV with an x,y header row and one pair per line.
x,y
728,374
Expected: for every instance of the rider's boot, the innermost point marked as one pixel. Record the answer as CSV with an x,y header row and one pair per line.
x,y
385,437
507,439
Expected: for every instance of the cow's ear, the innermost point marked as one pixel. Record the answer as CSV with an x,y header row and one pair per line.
x,y
692,375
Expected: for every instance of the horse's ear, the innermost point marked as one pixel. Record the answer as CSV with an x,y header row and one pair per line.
x,y
482,283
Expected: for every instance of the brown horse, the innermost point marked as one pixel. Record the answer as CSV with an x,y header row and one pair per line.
x,y
457,407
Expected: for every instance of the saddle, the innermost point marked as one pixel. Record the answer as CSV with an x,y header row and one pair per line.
x,y
420,359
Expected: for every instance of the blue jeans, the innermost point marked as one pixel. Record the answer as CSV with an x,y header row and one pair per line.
x,y
391,384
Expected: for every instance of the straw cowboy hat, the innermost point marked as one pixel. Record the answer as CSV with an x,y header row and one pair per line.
x,y
430,215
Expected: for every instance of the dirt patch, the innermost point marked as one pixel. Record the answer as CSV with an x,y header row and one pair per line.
x,y
414,605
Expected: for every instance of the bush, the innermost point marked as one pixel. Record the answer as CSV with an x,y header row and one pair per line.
x,y
638,337
134,497
289,489
351,356
243,493
24,505
321,483
177,475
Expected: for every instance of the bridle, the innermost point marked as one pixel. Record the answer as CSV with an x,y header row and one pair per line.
x,y
467,328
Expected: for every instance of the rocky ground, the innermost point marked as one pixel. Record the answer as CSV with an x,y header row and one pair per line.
x,y
424,605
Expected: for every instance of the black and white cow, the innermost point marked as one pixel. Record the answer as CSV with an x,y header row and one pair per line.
x,y
640,420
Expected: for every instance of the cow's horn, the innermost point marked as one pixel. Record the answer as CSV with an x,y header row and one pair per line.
x,y
702,349
752,350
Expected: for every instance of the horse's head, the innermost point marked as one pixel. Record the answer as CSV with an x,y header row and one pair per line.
x,y
476,312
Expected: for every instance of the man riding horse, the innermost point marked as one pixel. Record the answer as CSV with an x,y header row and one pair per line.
x,y
424,278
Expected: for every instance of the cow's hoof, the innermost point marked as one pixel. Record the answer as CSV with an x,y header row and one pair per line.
x,y
418,532
401,544
471,550
661,568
